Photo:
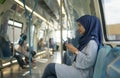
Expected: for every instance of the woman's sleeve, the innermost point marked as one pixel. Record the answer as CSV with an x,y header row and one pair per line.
x,y
87,58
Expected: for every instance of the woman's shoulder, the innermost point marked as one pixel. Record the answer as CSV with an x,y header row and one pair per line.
x,y
92,42
92,45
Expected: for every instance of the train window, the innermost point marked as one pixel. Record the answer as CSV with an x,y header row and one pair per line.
x,y
17,24
15,29
40,34
66,35
111,16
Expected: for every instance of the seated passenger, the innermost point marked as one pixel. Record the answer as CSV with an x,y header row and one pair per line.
x,y
89,43
40,45
51,44
22,50
22,45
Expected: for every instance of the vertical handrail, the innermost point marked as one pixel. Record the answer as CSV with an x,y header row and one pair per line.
x,y
48,49
67,34
14,29
61,27
29,31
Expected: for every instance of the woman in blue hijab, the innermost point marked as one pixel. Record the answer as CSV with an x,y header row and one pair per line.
x,y
89,44
92,30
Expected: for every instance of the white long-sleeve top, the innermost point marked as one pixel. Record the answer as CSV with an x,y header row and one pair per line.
x,y
83,66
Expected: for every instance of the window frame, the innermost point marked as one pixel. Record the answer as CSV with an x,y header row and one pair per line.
x,y
21,28
103,21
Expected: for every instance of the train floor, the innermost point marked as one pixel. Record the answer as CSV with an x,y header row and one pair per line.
x,y
14,71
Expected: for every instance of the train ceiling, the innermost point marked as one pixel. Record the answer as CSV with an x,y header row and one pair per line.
x,y
49,9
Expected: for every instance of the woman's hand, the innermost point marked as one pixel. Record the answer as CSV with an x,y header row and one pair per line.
x,y
72,48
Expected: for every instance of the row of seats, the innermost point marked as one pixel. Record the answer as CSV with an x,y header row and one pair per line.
x,y
107,63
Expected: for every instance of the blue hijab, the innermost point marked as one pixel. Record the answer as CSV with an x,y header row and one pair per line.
x,y
92,31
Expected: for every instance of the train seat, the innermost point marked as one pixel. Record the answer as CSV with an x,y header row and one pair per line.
x,y
3,57
112,64
99,66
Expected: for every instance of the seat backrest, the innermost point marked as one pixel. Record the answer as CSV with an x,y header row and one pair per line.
x,y
102,53
0,52
112,64
5,48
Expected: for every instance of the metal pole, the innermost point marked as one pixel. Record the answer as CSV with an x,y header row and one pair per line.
x,y
61,27
14,30
29,31
48,49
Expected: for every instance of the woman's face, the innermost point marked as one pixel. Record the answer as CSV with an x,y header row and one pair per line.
x,y
81,29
